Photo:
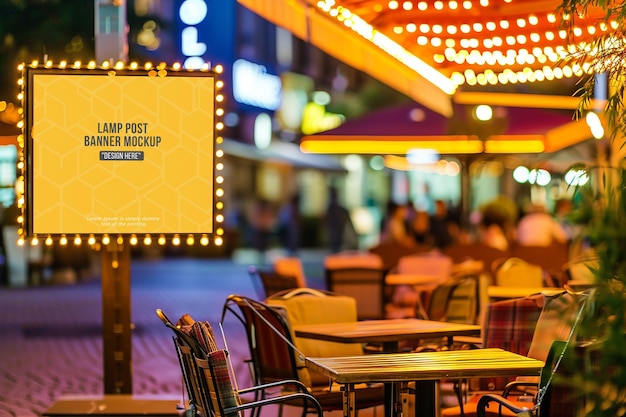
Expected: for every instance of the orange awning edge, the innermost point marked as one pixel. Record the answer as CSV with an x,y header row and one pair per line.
x,y
350,48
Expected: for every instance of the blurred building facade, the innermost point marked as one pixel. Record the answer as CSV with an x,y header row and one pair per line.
x,y
278,89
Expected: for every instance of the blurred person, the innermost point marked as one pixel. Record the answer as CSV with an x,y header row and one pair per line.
x,y
539,228
562,210
289,225
235,223
504,212
340,231
492,231
440,224
263,221
419,227
395,225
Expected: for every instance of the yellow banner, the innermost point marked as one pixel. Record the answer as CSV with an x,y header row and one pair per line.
x,y
122,154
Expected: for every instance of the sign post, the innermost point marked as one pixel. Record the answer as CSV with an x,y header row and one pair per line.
x,y
116,319
119,155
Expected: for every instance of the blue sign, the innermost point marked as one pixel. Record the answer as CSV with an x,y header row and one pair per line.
x,y
206,32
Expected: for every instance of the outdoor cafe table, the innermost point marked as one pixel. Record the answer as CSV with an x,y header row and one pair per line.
x,y
388,332
425,368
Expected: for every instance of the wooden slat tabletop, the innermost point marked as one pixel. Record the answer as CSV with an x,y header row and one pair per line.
x,y
396,367
375,331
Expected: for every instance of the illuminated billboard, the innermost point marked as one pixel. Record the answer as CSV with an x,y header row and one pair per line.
x,y
119,151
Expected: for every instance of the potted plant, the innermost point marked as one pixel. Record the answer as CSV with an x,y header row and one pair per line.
x,y
601,210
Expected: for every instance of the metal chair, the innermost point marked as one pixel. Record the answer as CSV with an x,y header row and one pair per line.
x,y
268,282
516,272
460,252
558,395
550,258
276,357
361,276
529,327
207,376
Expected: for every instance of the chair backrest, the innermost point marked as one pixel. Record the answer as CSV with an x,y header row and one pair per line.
x,y
268,282
579,270
429,263
478,251
310,306
269,336
550,258
291,266
559,314
459,299
438,300
464,301
510,325
516,272
391,252
205,367
360,276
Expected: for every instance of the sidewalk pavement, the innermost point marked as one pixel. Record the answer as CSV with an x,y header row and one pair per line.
x,y
51,341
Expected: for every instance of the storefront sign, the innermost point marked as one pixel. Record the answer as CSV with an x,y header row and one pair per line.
x,y
192,13
253,85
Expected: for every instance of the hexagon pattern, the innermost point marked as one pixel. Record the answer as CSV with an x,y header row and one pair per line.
x,y
170,119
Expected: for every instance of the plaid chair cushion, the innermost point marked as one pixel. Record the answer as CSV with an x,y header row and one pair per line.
x,y
510,325
202,332
216,367
217,374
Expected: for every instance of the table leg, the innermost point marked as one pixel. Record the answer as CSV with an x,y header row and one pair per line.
x,y
426,401
391,347
349,409
390,394
391,390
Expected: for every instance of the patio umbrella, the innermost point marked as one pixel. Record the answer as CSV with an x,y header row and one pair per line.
x,y
398,130
531,135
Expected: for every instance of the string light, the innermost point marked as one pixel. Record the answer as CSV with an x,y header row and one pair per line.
x,y
461,47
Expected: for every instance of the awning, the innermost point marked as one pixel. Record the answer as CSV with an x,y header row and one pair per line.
x,y
281,152
305,21
429,49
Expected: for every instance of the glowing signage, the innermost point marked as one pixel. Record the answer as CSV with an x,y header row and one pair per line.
x,y
192,13
252,85
315,119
